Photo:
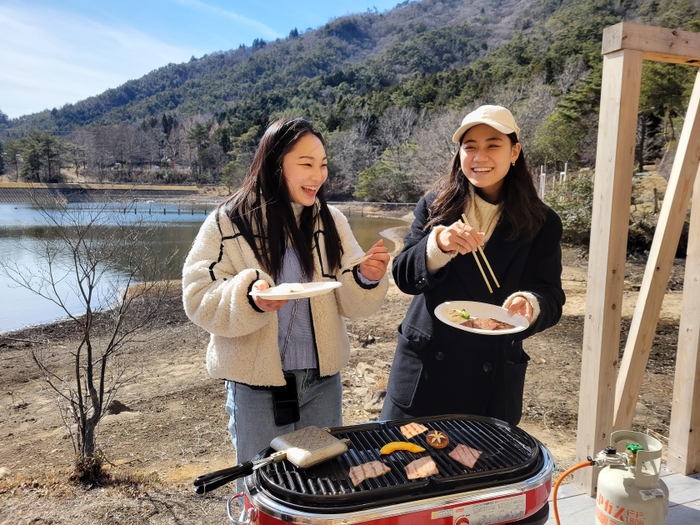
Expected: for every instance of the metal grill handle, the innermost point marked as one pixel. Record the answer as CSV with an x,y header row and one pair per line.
x,y
247,516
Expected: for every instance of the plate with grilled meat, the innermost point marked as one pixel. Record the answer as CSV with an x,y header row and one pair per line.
x,y
480,318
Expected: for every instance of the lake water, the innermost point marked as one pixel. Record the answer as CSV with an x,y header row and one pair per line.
x,y
22,227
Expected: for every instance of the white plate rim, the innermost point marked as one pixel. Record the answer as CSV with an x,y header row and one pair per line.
x,y
313,289
476,309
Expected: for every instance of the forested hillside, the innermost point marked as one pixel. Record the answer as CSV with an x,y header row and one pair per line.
x,y
386,88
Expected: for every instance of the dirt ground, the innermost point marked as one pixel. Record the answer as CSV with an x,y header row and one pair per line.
x,y
171,424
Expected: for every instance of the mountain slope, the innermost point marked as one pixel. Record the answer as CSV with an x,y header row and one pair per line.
x,y
371,50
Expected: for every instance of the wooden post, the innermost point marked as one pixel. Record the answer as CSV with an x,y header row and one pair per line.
x,y
656,200
622,73
684,434
543,182
625,45
655,43
659,265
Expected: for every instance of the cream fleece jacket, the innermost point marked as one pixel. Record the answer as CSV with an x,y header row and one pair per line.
x,y
218,274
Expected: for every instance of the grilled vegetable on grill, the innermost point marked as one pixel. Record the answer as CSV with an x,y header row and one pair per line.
x,y
373,469
465,455
421,468
400,445
412,429
437,439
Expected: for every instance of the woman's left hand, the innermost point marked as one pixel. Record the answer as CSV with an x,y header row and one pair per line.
x,y
266,305
520,305
374,268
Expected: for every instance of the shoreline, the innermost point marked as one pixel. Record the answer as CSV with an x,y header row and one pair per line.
x,y
395,235
401,211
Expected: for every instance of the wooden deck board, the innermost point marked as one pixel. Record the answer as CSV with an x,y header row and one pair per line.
x,y
576,508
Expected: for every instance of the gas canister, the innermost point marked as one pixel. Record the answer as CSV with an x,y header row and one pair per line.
x,y
630,491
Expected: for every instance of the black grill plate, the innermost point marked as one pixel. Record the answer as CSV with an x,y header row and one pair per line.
x,y
509,454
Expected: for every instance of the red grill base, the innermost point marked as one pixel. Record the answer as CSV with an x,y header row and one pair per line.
x,y
487,511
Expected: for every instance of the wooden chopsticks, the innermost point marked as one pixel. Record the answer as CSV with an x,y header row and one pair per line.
x,y
357,261
481,269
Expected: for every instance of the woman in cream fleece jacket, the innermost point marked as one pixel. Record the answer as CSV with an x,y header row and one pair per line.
x,y
440,369
278,228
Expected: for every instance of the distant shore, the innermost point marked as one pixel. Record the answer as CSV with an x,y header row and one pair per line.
x,y
27,192
21,192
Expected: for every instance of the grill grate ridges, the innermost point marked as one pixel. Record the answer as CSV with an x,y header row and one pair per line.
x,y
508,454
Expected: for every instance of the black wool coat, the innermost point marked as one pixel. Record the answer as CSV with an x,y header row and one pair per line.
x,y
439,369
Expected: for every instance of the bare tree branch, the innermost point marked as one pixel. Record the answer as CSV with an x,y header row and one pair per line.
x,y
96,265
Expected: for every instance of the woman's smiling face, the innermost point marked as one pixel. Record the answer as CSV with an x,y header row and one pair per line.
x,y
486,155
305,169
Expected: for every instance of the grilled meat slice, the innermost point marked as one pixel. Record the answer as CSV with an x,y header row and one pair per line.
x,y
465,455
421,468
373,469
487,323
412,429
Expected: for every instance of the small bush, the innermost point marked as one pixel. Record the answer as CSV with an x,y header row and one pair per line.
x,y
573,201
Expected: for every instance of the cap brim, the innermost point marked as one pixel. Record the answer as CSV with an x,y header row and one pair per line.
x,y
457,137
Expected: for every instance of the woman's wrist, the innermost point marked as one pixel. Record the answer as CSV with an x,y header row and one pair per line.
x,y
530,298
435,258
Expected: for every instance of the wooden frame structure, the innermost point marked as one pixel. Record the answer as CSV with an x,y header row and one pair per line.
x,y
608,397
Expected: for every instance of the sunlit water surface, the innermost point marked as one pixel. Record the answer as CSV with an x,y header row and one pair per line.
x,y
22,227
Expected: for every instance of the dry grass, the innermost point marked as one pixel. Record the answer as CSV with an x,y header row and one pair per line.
x,y
171,288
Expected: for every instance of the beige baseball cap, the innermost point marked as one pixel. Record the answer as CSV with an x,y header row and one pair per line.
x,y
498,117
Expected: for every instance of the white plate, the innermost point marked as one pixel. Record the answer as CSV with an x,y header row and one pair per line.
x,y
285,291
481,310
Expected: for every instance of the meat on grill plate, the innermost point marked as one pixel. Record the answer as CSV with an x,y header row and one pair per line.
x,y
412,429
465,455
373,469
421,468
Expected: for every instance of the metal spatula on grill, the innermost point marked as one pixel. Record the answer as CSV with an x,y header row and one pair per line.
x,y
304,448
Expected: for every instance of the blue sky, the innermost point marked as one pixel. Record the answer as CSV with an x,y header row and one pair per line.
x,y
55,52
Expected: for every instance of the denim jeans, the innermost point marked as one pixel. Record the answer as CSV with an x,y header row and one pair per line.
x,y
251,419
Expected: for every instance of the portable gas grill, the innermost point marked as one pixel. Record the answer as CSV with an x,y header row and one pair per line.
x,y
510,482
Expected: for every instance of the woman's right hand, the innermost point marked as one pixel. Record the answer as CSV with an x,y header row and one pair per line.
x,y
266,305
375,267
459,237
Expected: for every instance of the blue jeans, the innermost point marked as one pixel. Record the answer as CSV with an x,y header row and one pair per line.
x,y
251,419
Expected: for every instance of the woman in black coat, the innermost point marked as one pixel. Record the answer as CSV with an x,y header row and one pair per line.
x,y
440,369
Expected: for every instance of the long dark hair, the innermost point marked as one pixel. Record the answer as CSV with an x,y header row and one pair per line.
x,y
521,205
264,191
